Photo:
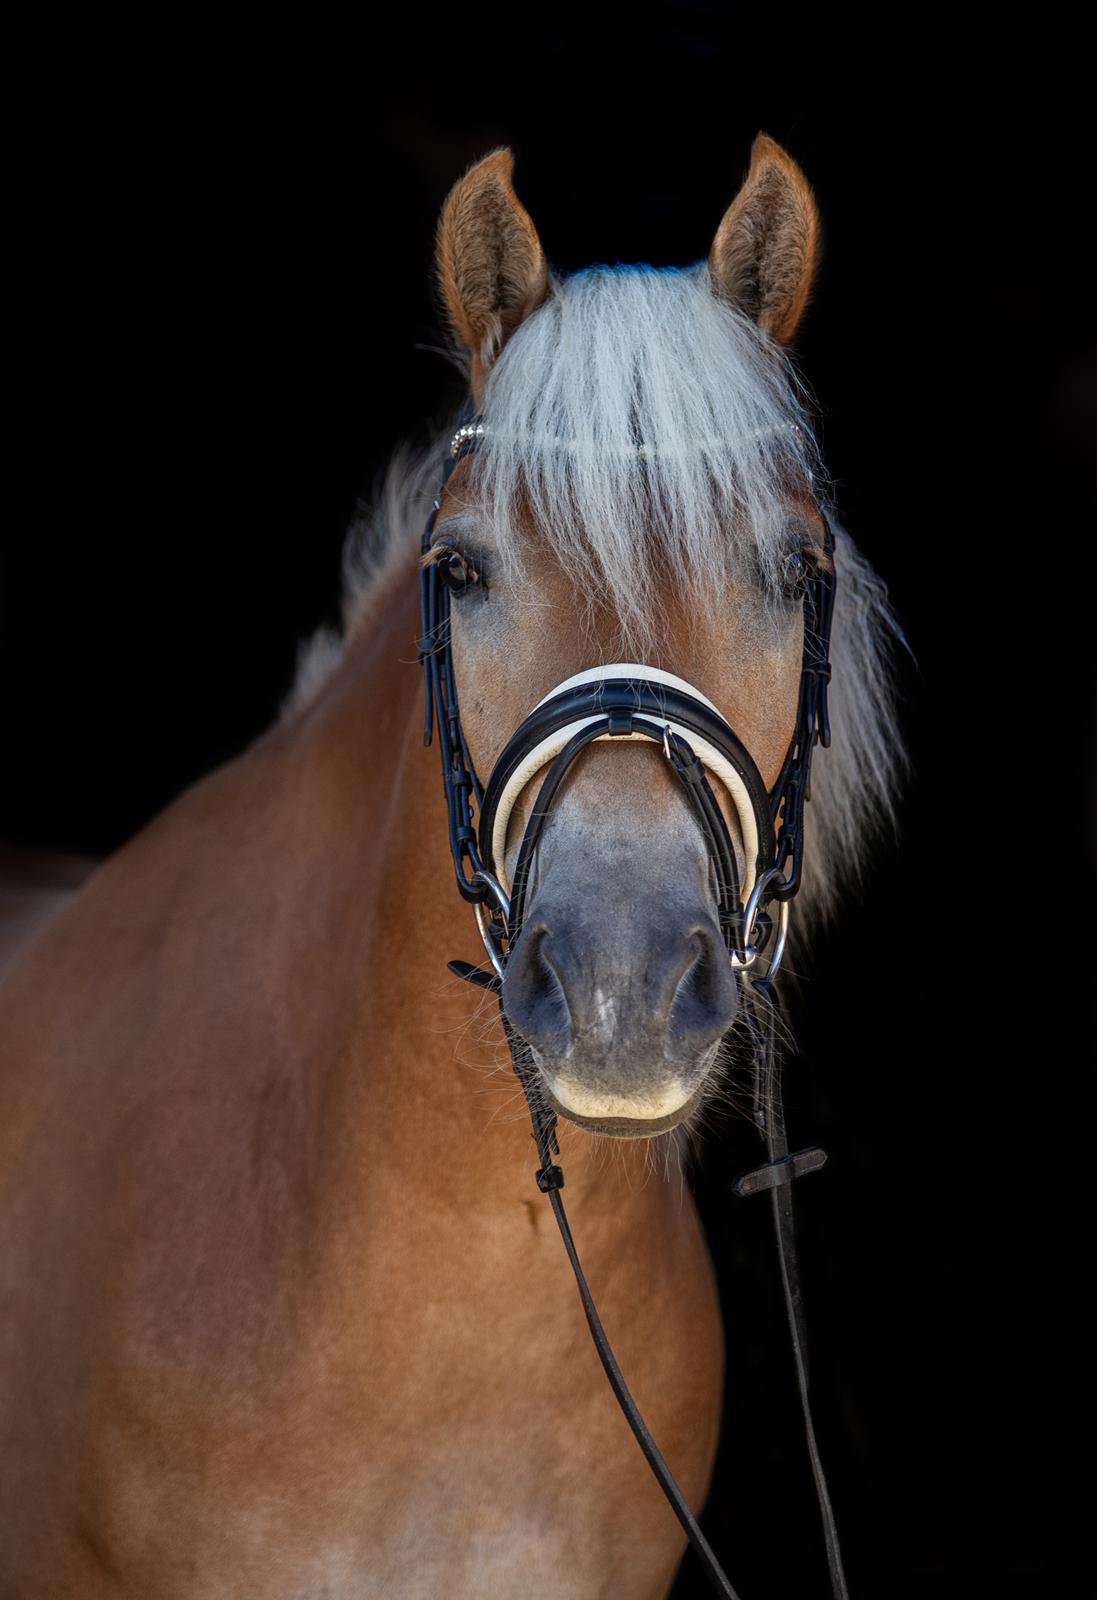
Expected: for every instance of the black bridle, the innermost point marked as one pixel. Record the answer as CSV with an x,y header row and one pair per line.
x,y
668,712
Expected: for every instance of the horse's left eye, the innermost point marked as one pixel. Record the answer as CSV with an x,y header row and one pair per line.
x,y
797,570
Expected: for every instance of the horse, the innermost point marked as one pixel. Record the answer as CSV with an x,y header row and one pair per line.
x,y
284,1314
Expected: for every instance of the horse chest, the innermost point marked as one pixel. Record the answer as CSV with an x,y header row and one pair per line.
x,y
439,1446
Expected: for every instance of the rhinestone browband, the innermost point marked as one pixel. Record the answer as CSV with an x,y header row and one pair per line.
x,y
471,431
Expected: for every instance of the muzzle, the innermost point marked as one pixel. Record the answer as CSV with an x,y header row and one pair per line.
x,y
629,701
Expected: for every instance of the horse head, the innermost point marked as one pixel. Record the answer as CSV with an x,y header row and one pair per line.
x,y
642,502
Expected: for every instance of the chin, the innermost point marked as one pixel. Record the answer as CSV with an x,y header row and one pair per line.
x,y
620,1120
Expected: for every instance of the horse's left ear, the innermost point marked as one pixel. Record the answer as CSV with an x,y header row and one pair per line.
x,y
766,250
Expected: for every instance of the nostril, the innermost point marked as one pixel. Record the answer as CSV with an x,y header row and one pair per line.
x,y
635,990
533,992
703,975
542,954
706,999
551,979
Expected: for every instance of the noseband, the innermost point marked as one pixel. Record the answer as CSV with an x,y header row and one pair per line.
x,y
754,888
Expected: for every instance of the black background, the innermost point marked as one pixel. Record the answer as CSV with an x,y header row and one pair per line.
x,y
220,325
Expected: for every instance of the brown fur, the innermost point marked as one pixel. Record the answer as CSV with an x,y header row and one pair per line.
x,y
282,1315
34,886
276,1314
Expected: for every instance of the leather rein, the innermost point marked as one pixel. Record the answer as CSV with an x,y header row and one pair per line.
x,y
630,701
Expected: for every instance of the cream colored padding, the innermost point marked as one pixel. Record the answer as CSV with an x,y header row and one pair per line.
x,y
550,747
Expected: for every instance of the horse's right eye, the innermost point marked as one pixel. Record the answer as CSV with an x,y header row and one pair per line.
x,y
456,571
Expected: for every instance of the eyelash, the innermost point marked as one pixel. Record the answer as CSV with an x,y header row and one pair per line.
x,y
455,569
800,567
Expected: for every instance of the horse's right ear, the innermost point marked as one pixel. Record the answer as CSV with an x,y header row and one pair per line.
x,y
490,267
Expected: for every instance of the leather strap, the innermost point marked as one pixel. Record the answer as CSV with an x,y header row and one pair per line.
x,y
550,1180
630,697
781,1169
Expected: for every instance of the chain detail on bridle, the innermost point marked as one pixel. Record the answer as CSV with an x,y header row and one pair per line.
x,y
642,708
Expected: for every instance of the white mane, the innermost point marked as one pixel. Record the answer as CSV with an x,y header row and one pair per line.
x,y
628,357
618,359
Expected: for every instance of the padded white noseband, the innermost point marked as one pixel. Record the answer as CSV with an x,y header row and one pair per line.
x,y
550,747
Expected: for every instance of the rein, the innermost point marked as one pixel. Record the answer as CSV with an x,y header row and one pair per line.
x,y
630,701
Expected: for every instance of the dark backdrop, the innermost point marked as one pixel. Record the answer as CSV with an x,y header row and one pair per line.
x,y
222,323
